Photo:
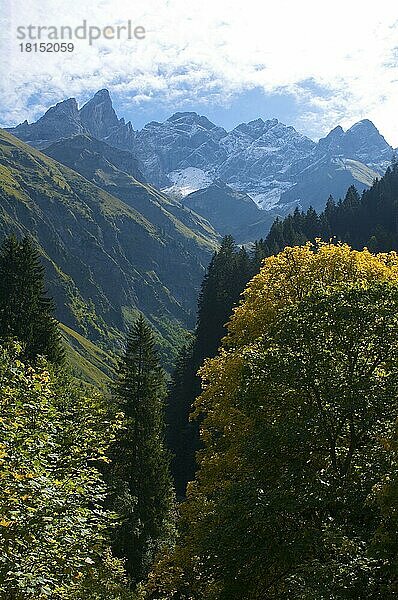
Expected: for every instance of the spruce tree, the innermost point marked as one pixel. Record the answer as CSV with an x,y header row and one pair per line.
x,y
370,219
26,312
229,271
140,476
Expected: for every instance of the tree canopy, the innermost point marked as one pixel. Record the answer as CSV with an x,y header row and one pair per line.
x,y
295,410
54,531
140,470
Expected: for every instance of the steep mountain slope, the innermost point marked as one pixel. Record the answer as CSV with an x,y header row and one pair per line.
x,y
87,361
115,171
230,212
91,157
327,176
271,162
370,220
341,159
105,261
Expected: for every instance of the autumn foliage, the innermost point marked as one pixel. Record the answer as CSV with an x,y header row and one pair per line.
x,y
298,414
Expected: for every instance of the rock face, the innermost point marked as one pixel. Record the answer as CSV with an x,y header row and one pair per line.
x,y
98,115
326,176
362,142
260,153
61,120
99,119
341,159
89,157
273,163
230,211
184,141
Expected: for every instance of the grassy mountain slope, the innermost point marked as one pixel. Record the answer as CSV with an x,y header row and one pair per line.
x,y
110,169
105,260
87,361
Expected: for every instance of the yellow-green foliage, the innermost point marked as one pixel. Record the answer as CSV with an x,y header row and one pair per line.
x,y
226,471
53,528
284,279
294,273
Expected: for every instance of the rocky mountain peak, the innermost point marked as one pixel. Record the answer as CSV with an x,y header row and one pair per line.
x,y
364,142
365,125
190,119
66,107
255,128
332,139
98,115
102,95
59,121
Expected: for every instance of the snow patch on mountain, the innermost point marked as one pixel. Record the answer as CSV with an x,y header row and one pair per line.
x,y
267,200
186,181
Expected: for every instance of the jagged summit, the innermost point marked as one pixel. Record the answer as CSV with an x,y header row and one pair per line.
x,y
59,121
102,94
335,133
98,115
363,125
191,118
256,126
272,162
181,115
68,106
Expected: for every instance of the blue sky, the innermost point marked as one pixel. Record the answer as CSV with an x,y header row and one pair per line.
x,y
310,64
239,108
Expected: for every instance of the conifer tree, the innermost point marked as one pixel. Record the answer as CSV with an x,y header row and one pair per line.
x,y
26,312
370,219
228,272
143,494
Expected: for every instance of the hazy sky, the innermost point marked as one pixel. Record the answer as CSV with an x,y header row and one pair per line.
x,y
311,64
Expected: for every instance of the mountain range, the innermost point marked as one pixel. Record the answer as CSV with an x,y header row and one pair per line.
x,y
275,165
127,221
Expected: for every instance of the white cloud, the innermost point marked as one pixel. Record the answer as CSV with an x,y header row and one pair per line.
x,y
346,51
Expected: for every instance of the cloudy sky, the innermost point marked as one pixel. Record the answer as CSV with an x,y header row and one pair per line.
x,y
311,64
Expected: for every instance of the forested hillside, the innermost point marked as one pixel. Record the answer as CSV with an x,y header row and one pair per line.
x,y
267,468
297,479
369,220
79,515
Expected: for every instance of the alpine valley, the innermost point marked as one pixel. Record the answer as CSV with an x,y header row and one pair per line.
x,y
127,220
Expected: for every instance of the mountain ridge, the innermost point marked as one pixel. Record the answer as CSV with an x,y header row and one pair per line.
x,y
271,162
105,261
